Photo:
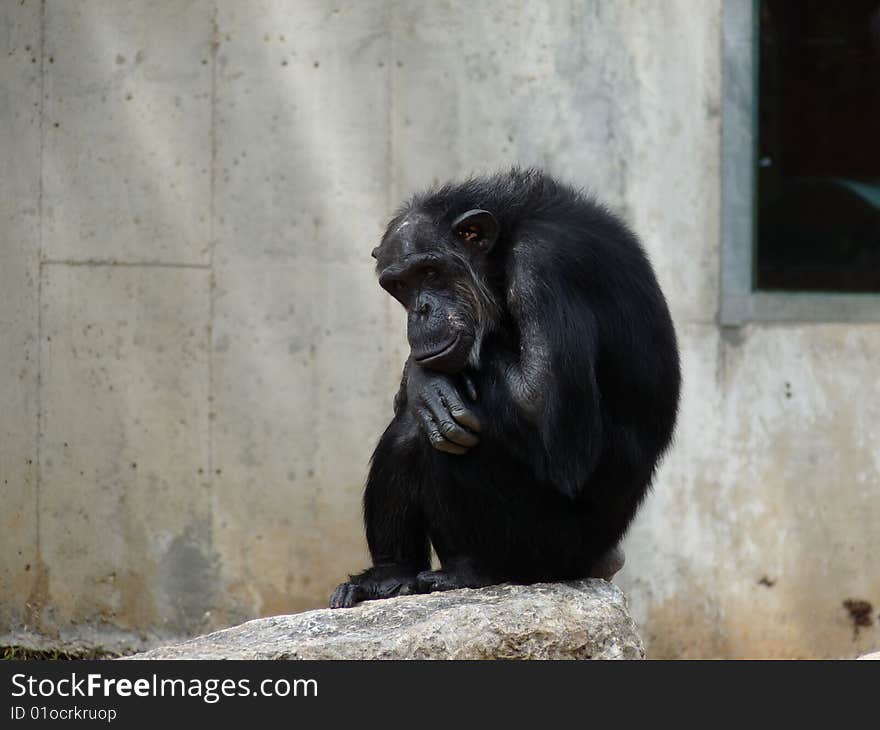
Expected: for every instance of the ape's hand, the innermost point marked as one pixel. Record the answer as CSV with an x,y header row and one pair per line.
x,y
447,418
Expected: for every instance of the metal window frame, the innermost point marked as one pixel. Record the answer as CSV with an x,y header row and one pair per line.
x,y
740,302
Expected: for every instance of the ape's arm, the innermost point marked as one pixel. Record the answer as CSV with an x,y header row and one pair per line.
x,y
549,377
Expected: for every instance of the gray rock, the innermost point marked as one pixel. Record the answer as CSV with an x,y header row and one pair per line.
x,y
579,620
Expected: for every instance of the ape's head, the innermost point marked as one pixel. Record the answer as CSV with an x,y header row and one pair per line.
x,y
437,271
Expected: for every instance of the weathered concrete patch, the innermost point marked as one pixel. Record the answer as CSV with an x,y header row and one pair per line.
x,y
579,620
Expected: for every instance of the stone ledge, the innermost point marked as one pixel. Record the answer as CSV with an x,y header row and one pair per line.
x,y
578,620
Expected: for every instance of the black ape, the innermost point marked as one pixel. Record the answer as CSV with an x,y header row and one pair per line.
x,y
540,392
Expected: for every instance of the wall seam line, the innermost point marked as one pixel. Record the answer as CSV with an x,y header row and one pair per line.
x,y
215,41
37,472
97,263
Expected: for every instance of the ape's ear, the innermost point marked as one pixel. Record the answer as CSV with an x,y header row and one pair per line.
x,y
477,228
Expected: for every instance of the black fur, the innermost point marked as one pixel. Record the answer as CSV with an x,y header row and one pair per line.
x,y
577,385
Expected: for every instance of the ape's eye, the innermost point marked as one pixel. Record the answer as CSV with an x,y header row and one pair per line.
x,y
430,273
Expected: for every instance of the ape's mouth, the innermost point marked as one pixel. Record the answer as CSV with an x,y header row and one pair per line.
x,y
437,356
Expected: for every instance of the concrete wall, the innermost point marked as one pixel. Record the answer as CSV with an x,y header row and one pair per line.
x,y
197,360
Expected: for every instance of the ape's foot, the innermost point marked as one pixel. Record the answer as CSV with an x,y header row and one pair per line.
x,y
346,595
450,579
382,581
611,562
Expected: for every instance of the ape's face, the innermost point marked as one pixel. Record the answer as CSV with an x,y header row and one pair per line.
x,y
430,271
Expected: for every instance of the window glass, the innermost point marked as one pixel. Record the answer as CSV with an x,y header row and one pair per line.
x,y
818,146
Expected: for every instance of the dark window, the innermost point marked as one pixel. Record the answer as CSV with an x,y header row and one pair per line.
x,y
819,146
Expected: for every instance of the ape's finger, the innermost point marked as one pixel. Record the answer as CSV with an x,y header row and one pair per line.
x,y
463,415
444,445
457,434
451,431
466,418
441,413
435,436
438,412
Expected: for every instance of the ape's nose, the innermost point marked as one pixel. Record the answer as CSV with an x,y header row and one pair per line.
x,y
375,253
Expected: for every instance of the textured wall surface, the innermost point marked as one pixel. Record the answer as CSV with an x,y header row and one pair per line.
x,y
198,361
